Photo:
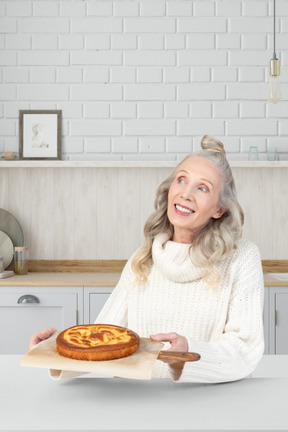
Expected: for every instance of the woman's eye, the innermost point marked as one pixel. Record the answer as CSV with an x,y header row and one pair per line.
x,y
180,180
203,189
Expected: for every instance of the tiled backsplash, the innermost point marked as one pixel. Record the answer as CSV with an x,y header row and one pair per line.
x,y
145,80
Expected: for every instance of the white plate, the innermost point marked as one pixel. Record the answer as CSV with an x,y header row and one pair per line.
x,y
6,249
10,226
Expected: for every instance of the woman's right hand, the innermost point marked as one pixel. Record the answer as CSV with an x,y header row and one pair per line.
x,y
42,335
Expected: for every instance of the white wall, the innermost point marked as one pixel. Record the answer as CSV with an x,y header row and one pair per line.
x,y
145,79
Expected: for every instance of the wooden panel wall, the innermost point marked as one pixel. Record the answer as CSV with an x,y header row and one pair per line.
x,y
99,213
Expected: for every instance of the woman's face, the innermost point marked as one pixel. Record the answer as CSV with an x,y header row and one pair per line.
x,y
193,198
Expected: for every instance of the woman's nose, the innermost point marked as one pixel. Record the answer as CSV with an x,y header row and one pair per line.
x,y
188,193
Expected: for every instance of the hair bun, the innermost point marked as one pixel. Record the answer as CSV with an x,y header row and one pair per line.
x,y
210,143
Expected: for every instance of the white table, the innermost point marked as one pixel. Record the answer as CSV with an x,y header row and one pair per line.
x,y
30,400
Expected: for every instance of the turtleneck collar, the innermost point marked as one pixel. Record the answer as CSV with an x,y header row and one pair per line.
x,y
173,261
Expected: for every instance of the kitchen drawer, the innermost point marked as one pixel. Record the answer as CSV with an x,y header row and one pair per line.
x,y
25,311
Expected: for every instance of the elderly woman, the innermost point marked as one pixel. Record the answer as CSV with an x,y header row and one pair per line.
x,y
195,284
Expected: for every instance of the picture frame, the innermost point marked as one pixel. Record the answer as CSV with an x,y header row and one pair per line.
x,y
40,134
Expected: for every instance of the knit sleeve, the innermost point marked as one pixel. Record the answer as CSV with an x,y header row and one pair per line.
x,y
115,310
239,349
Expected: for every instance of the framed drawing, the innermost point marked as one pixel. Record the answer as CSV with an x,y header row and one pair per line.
x,y
40,134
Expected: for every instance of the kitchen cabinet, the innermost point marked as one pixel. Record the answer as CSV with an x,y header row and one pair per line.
x,y
278,320
67,299
94,300
26,310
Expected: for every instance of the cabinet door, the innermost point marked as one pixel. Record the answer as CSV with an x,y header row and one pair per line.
x,y
279,320
281,324
94,300
266,320
19,318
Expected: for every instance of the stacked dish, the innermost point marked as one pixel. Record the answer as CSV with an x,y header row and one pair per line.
x,y
11,235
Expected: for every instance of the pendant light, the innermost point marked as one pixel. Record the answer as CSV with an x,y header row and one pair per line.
x,y
274,91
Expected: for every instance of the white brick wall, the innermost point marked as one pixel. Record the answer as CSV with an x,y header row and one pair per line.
x,y
145,79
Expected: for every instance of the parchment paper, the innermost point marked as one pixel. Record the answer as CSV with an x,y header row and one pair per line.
x,y
137,366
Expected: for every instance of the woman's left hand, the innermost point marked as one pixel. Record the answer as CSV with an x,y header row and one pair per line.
x,y
178,343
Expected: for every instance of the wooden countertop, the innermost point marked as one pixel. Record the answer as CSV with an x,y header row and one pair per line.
x,y
270,280
87,279
62,279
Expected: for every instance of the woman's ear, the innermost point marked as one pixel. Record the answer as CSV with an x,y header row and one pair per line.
x,y
219,213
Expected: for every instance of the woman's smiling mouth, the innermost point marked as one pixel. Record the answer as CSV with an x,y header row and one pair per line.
x,y
183,210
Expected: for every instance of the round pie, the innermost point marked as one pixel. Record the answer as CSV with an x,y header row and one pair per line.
x,y
97,342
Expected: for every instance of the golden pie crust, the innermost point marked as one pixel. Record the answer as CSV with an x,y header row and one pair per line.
x,y
97,342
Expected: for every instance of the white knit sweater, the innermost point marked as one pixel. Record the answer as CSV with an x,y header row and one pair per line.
x,y
224,326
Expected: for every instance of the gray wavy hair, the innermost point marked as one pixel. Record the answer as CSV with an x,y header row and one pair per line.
x,y
217,240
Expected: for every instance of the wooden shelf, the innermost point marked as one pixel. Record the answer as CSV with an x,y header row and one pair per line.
x,y
129,164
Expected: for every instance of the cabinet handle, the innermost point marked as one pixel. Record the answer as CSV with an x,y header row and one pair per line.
x,y
28,298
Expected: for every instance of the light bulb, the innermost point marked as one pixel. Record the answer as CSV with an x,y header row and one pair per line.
x,y
274,90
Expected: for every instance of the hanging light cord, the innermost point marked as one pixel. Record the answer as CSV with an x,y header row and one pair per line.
x,y
274,54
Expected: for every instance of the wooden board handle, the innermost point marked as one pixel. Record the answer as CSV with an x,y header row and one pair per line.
x,y
178,356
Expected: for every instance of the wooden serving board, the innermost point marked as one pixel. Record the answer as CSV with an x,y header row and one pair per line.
x,y
178,356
